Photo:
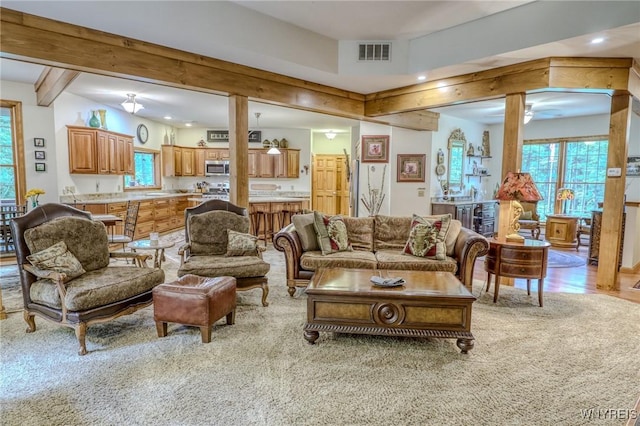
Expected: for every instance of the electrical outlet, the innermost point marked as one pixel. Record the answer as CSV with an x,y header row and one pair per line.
x,y
421,193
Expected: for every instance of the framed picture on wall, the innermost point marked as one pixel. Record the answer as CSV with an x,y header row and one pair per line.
x,y
40,155
39,142
375,149
411,167
633,166
41,167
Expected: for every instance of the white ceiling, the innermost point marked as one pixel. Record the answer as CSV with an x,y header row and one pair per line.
x,y
264,34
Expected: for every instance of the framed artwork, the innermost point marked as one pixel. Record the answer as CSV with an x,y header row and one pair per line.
x,y
633,166
254,136
375,149
40,155
41,167
411,167
39,142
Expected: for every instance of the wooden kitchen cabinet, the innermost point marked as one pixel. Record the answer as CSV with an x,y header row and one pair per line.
x,y
83,155
200,156
172,160
188,162
96,151
284,165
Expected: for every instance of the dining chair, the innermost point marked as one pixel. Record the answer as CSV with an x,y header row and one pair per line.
x,y
130,221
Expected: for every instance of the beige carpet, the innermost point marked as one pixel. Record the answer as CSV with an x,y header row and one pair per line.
x,y
530,365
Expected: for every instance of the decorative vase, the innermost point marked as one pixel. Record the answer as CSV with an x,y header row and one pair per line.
x,y
80,121
284,143
94,121
103,118
266,143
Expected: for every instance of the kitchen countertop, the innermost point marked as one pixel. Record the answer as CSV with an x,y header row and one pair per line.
x,y
192,196
460,202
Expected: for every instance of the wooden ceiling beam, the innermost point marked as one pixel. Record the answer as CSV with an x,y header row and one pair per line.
x,y
51,83
413,120
83,49
581,74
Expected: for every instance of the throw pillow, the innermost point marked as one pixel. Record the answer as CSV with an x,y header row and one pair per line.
x,y
306,231
427,237
241,244
59,259
528,215
332,233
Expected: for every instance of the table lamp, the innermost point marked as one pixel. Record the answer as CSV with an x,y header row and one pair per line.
x,y
564,195
517,187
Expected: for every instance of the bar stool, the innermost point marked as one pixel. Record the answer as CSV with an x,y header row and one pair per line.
x,y
262,219
284,218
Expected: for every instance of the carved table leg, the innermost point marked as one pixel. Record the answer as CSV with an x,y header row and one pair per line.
x,y
311,336
265,293
292,291
465,345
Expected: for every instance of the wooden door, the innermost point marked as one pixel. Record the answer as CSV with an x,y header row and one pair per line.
x,y
82,151
329,185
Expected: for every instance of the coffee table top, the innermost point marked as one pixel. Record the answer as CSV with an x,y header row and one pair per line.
x,y
150,245
350,282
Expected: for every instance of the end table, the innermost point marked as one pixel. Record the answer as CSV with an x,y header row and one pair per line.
x,y
156,245
517,260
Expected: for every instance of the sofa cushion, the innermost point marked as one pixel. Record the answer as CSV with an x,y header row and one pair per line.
x,y
391,232
85,238
396,260
98,288
241,244
59,259
360,232
358,259
218,266
332,233
427,237
306,231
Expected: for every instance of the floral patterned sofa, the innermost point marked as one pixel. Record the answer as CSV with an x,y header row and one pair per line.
x,y
377,242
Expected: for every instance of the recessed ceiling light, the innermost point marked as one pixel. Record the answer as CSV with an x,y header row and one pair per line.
x,y
187,124
597,40
167,117
422,77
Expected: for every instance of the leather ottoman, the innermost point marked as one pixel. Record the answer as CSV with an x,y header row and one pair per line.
x,y
196,301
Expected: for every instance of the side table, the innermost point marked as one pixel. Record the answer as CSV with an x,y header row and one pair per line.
x,y
156,245
562,231
517,260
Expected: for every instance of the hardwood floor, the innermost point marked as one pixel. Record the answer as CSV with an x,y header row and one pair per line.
x,y
574,280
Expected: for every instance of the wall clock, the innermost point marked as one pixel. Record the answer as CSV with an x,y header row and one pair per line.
x,y
440,169
143,133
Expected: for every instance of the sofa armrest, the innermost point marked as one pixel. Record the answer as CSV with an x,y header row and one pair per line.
x,y
469,246
288,241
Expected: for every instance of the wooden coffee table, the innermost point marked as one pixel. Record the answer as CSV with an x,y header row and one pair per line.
x,y
429,304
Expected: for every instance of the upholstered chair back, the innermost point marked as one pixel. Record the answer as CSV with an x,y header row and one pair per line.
x,y
85,239
208,231
529,207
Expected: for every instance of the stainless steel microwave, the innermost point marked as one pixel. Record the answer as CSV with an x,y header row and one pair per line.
x,y
216,168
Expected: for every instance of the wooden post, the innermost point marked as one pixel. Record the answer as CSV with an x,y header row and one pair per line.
x,y
239,150
511,157
611,228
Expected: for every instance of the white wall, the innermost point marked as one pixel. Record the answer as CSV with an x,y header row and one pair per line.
x,y
67,106
37,122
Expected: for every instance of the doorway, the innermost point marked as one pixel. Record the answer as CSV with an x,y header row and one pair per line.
x,y
329,184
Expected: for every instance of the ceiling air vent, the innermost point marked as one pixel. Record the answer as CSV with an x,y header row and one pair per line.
x,y
374,51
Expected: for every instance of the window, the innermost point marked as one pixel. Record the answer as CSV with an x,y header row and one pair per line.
x,y
578,163
12,176
146,165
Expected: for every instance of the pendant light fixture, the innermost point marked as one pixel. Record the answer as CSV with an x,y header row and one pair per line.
x,y
331,135
130,105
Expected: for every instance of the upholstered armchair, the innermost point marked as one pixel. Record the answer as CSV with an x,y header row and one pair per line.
x,y
529,219
218,243
66,273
